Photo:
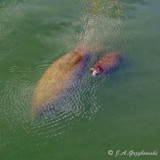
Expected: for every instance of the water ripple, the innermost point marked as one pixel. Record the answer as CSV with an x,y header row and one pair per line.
x,y
101,33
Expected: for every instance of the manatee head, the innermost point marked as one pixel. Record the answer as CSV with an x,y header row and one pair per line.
x,y
97,70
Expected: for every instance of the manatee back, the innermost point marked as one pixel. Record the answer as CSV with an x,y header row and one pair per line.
x,y
54,81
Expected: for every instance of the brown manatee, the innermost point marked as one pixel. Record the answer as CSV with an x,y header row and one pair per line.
x,y
107,63
57,77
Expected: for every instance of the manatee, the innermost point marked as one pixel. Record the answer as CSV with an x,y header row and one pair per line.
x,y
107,64
57,77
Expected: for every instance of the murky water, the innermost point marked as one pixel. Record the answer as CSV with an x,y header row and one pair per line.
x,y
118,112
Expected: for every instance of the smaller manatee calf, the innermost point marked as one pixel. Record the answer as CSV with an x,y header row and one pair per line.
x,y
107,64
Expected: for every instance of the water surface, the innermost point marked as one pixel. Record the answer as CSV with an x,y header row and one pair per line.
x,y
118,112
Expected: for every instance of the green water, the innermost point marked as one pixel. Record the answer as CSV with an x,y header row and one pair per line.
x,y
118,112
